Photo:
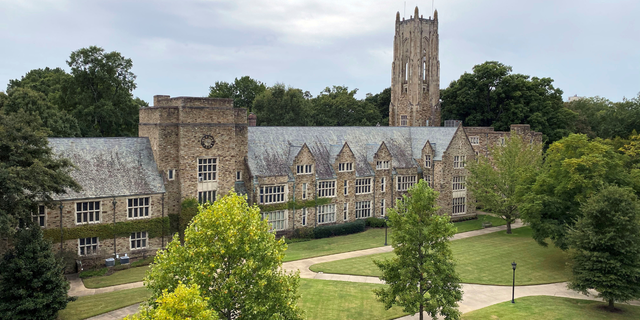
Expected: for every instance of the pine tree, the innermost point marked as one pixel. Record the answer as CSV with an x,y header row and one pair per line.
x,y
606,243
32,284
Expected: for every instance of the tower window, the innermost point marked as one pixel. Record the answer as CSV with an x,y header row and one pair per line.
x,y
424,71
406,72
404,120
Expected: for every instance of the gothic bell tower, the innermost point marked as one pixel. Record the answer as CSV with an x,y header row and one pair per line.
x,y
415,75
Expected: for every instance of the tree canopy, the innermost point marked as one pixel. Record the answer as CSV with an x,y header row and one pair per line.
x,y
183,303
338,106
599,117
243,91
421,277
280,106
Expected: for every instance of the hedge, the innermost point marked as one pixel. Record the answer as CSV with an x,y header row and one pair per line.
x,y
374,222
339,229
153,227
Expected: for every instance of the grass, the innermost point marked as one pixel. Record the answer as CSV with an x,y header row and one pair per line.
x,y
371,238
544,307
89,306
483,259
118,277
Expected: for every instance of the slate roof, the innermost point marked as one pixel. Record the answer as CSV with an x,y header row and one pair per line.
x,y
273,149
107,167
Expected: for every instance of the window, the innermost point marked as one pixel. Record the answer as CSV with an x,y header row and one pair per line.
x,y
458,183
327,213
138,240
238,175
502,141
345,166
382,165
427,161
346,187
382,208
206,196
87,246
272,194
170,174
429,183
207,169
304,217
475,140
382,184
345,211
363,185
88,212
326,189
138,207
406,182
277,219
363,209
458,205
458,162
304,169
304,191
39,217
404,120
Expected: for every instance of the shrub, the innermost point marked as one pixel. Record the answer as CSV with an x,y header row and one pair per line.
x,y
339,229
303,233
374,222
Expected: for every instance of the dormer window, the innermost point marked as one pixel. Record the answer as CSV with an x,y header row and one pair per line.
x,y
427,161
304,169
458,162
382,165
475,140
345,166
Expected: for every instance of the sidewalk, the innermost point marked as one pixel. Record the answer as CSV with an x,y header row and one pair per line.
x,y
78,289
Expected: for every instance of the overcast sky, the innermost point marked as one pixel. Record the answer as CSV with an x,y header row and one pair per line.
x,y
180,48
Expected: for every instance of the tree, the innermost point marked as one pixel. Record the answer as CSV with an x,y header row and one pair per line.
x,y
493,96
100,95
382,101
606,243
29,172
280,106
33,284
496,182
229,250
183,303
243,91
337,106
422,275
599,117
574,169
53,83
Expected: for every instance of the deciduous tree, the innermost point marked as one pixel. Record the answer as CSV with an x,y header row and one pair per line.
x,y
280,106
230,253
422,276
243,91
606,243
183,303
338,106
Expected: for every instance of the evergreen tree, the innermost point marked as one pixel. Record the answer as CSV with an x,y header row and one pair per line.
x,y
32,284
422,275
606,240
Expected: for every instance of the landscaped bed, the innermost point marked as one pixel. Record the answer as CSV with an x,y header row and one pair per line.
x,y
89,306
545,307
483,259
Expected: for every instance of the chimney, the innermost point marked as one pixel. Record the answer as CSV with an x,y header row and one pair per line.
x,y
252,119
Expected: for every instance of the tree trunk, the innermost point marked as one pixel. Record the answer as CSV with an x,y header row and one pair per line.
x,y
611,308
421,308
508,227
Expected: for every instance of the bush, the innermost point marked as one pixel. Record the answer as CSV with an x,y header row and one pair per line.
x,y
303,233
374,222
339,229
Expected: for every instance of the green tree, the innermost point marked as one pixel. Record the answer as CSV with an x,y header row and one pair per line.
x,y
280,106
32,283
497,181
493,96
337,106
229,250
606,243
100,95
29,172
422,275
382,101
53,83
183,303
574,169
243,91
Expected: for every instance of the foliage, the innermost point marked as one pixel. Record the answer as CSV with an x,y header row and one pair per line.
x,y
188,210
53,83
280,106
243,91
606,239
421,276
496,181
298,204
339,229
183,303
302,233
374,222
29,172
33,284
600,117
381,101
229,250
154,228
337,106
574,169
493,96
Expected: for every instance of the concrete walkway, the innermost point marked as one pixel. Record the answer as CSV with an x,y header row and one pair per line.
x,y
117,314
78,289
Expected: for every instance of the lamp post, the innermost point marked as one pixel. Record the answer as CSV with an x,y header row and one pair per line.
x,y
513,288
386,221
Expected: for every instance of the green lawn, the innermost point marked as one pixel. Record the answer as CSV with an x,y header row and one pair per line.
x,y
483,259
118,277
544,307
371,238
89,306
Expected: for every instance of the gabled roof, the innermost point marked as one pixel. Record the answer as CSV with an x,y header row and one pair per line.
x,y
270,148
109,167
